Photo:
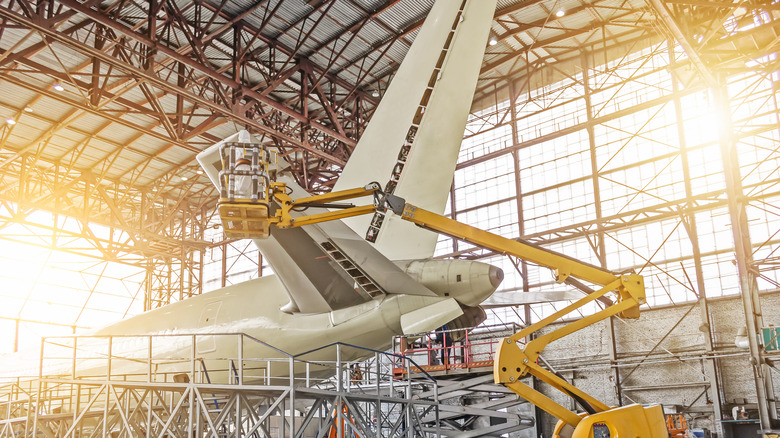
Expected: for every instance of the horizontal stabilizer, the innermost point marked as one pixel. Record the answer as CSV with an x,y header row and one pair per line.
x,y
505,299
385,274
433,315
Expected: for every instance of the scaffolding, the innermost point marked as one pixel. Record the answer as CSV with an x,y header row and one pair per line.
x,y
160,385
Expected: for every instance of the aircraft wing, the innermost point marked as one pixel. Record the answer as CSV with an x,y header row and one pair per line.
x,y
504,299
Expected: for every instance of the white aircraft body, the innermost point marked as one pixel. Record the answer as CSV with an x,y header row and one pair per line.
x,y
314,298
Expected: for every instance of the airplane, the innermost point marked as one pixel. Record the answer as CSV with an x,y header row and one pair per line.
x,y
330,284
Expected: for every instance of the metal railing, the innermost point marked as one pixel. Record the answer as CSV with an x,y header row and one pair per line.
x,y
446,350
207,384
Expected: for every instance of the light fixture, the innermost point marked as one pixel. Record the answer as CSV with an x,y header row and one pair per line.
x,y
199,172
184,178
59,87
28,109
375,93
560,13
493,41
10,121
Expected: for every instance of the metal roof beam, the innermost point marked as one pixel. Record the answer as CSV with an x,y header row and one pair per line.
x,y
169,87
666,17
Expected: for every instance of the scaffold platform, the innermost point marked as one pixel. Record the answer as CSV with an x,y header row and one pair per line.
x,y
452,352
137,386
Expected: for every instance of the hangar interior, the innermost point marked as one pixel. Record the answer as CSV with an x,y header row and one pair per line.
x,y
637,136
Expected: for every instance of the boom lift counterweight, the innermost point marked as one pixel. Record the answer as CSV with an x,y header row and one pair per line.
x,y
266,204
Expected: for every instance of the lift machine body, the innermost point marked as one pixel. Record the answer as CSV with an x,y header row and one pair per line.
x,y
252,203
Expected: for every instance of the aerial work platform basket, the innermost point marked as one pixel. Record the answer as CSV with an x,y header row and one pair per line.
x,y
252,201
244,190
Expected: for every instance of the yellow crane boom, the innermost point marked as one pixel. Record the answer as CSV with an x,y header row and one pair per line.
x,y
253,218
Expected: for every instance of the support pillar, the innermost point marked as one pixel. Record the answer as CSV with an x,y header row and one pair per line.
x,y
744,256
518,193
711,365
598,245
16,335
513,95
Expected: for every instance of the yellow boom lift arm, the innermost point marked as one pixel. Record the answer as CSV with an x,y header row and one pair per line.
x,y
271,206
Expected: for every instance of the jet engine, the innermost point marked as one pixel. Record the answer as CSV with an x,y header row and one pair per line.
x,y
472,317
467,281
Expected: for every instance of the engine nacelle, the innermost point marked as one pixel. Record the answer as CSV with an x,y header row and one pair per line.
x,y
467,281
472,317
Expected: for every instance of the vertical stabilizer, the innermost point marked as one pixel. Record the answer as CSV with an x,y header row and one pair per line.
x,y
447,54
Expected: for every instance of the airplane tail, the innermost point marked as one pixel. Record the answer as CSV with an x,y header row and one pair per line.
x,y
413,139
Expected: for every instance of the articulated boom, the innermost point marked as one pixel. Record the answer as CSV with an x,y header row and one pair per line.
x,y
264,203
513,361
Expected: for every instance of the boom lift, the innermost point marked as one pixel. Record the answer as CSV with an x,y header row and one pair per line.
x,y
250,208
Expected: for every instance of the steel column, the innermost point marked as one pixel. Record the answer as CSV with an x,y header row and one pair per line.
x,y
743,249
